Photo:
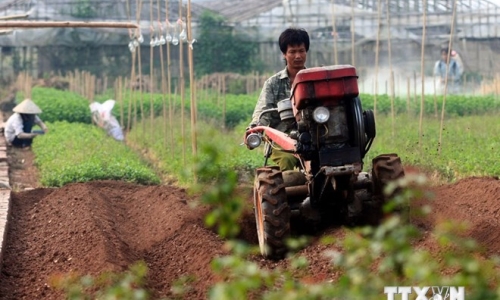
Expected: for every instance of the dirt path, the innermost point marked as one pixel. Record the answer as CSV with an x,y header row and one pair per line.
x,y
107,225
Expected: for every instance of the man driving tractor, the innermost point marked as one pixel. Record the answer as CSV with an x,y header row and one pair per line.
x,y
294,44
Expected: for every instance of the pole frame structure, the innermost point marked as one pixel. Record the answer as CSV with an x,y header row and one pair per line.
x,y
49,24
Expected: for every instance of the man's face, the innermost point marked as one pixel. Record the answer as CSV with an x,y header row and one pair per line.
x,y
295,56
444,56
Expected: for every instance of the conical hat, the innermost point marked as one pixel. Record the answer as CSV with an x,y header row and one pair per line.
x,y
27,107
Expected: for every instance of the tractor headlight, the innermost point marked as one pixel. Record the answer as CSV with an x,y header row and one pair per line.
x,y
253,140
321,114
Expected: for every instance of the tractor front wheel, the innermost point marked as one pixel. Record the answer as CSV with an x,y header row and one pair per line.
x,y
272,213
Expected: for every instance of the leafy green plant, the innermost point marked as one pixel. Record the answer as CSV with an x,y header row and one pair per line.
x,y
57,105
220,193
128,285
81,152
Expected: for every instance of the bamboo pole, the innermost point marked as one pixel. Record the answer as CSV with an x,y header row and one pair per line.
x,y
218,91
98,84
116,88
92,88
422,97
204,87
139,73
131,96
495,86
377,54
169,89
194,147
104,85
50,24
466,85
393,113
122,86
353,36
415,87
408,95
389,46
86,91
70,81
334,27
163,85
224,102
435,100
29,85
151,76
88,86
141,95
256,83
440,143
181,78
247,85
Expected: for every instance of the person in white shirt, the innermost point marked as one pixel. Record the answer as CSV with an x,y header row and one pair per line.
x,y
18,128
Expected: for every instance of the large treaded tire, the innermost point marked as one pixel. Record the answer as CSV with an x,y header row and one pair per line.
x,y
272,213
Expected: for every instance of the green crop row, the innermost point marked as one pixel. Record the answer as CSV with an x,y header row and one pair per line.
x,y
470,145
73,152
60,105
455,105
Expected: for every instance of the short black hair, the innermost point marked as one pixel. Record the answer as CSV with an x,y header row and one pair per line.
x,y
293,37
444,50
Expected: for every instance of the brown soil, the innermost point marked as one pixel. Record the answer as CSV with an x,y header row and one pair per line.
x,y
104,225
108,225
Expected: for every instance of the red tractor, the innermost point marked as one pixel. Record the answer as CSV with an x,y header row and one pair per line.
x,y
331,137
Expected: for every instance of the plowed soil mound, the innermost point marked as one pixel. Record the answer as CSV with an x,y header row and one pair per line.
x,y
474,201
104,225
108,225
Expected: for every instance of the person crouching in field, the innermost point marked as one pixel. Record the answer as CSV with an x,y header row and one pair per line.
x,y
18,129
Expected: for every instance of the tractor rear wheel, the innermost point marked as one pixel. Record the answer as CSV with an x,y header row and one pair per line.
x,y
272,213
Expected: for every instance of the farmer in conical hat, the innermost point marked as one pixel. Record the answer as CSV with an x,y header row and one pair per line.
x,y
18,129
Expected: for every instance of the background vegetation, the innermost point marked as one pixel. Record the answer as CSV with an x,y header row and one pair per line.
x,y
75,152
220,50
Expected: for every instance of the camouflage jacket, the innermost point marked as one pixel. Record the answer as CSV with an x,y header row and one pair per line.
x,y
275,89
